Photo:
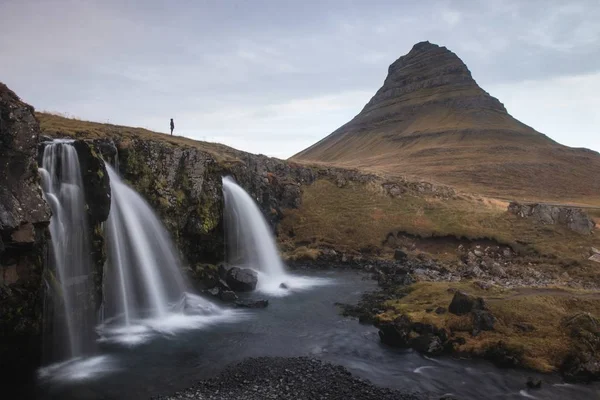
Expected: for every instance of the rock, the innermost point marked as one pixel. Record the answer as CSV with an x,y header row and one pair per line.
x,y
478,253
595,250
533,384
397,332
595,258
399,255
463,303
427,344
222,268
24,239
214,291
282,285
242,279
227,295
504,355
252,303
482,321
483,285
574,219
440,310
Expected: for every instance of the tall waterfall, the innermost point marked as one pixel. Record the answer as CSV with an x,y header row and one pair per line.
x,y
144,269
71,288
250,243
145,290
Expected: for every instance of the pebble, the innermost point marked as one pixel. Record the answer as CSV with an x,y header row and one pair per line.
x,y
287,378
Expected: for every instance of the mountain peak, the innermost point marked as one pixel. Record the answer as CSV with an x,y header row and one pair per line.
x,y
431,120
432,73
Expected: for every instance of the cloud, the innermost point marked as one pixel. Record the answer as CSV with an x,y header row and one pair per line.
x,y
283,74
565,108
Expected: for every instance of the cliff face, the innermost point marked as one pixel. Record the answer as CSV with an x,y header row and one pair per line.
x,y
24,219
430,119
183,185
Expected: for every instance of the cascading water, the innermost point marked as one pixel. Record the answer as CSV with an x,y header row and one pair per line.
x,y
250,243
144,287
73,310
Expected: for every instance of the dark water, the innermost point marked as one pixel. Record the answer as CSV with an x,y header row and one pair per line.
x,y
304,323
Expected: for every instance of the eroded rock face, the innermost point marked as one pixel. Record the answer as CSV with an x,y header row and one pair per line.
x,y
574,219
24,218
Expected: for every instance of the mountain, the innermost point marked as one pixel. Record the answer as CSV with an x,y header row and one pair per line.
x,y
431,120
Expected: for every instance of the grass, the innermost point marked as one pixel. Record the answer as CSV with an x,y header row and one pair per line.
x,y
59,126
544,348
359,217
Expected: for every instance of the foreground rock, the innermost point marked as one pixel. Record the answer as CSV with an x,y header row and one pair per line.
x,y
242,279
24,217
287,378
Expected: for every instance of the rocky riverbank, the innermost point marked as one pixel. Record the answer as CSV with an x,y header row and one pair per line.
x,y
425,306
287,378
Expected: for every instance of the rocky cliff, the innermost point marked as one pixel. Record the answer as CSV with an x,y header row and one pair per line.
x,y
430,119
26,267
24,219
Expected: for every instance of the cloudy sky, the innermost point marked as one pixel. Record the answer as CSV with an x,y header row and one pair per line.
x,y
273,77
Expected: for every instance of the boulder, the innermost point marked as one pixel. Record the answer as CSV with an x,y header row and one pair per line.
x,y
251,303
397,332
463,303
399,255
242,279
533,383
482,321
574,219
282,285
227,295
427,343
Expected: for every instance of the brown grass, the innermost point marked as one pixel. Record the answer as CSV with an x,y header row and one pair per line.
x,y
357,216
59,126
544,348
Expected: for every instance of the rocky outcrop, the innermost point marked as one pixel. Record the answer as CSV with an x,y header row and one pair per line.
x,y
574,219
24,218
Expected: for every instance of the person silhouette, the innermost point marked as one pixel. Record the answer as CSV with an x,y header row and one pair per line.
x,y
172,126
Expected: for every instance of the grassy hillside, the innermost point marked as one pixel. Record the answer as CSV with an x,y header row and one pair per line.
x,y
356,218
59,126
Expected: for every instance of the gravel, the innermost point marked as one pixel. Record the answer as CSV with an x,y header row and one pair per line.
x,y
287,378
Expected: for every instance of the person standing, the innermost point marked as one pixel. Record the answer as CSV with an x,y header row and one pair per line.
x,y
172,126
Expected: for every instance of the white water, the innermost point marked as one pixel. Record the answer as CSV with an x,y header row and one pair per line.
x,y
145,290
250,243
73,312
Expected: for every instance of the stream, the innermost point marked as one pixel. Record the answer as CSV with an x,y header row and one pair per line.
x,y
301,323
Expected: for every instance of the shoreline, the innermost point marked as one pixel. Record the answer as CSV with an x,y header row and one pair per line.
x,y
287,378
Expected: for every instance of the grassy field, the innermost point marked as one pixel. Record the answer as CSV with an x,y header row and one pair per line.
x,y
357,218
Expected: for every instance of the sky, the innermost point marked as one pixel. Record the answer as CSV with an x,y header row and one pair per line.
x,y
273,77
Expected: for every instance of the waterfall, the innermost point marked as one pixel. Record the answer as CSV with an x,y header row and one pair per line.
x,y
250,243
73,309
145,290
143,268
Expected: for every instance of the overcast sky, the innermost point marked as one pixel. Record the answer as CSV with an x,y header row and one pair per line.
x,y
273,77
